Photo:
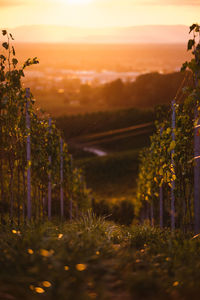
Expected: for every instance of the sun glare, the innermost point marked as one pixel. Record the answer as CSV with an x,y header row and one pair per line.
x,y
78,1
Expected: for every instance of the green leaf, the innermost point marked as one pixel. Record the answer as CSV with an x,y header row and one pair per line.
x,y
172,145
35,60
197,28
184,66
173,177
2,57
198,47
191,43
14,61
11,36
168,131
13,50
21,73
192,27
5,45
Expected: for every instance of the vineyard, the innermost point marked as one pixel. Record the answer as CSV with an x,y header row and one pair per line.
x,y
169,177
52,245
37,176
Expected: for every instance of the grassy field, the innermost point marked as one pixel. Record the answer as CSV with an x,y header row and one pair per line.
x,y
91,258
97,122
114,175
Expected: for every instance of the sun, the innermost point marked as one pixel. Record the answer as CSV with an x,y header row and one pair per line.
x,y
78,1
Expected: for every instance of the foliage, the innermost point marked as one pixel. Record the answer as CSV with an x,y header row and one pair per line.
x,y
15,105
160,167
91,258
120,211
114,175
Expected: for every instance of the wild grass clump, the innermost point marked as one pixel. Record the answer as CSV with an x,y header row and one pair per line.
x,y
71,257
91,258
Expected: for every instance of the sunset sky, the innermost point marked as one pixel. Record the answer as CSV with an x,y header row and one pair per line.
x,y
98,13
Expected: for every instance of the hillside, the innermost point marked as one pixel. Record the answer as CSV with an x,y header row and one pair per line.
x,y
116,137
175,34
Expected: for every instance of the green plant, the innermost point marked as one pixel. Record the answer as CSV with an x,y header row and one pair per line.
x,y
15,105
156,169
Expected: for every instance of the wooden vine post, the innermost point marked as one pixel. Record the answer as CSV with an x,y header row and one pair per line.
x,y
28,153
152,214
161,196
61,180
173,166
71,200
49,180
196,174
197,152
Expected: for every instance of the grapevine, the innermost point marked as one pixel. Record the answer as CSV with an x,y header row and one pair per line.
x,y
45,143
156,169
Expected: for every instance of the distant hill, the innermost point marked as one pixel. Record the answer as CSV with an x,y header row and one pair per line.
x,y
137,34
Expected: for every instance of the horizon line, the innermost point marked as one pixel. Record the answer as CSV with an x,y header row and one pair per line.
x,y
100,27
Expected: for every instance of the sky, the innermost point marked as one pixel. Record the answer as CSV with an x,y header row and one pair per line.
x,y
98,13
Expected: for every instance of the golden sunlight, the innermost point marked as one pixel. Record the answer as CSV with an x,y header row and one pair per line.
x,y
77,1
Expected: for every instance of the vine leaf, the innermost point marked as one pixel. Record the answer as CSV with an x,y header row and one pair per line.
x,y
4,32
191,43
172,145
5,45
2,57
192,27
184,66
11,36
14,61
13,50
